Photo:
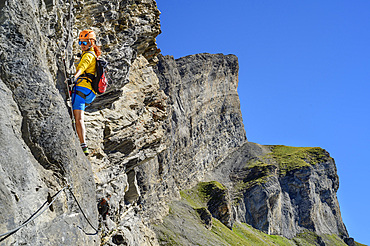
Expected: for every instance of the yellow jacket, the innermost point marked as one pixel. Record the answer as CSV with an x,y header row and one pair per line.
x,y
87,64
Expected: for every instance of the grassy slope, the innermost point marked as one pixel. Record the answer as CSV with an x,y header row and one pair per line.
x,y
280,161
290,158
183,226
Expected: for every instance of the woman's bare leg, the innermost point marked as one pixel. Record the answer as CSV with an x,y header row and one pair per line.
x,y
80,125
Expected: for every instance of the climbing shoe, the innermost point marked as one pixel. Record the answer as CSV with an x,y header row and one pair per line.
x,y
85,149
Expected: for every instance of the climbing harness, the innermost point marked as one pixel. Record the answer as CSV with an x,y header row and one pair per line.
x,y
41,211
99,80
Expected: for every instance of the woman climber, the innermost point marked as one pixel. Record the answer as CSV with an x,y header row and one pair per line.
x,y
83,92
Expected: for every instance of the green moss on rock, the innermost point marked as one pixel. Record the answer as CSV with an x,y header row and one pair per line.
x,y
198,196
308,238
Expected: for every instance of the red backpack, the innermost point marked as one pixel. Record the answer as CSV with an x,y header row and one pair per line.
x,y
100,81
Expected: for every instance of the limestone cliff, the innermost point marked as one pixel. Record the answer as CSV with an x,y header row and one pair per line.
x,y
283,190
169,150
205,121
279,190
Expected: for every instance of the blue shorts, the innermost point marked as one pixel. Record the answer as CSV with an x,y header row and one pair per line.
x,y
79,102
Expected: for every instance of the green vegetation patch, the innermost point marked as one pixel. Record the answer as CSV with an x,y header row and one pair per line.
x,y
333,240
308,238
228,235
198,196
245,184
183,226
280,161
256,172
258,238
291,158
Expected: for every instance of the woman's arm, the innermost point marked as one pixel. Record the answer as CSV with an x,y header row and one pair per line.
x,y
77,74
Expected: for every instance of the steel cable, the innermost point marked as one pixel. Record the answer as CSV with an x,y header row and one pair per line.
x,y
7,234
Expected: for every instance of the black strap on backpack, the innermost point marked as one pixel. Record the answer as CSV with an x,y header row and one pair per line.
x,y
99,82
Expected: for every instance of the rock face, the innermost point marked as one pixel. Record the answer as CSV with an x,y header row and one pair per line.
x,y
164,126
205,121
279,190
125,138
39,150
284,191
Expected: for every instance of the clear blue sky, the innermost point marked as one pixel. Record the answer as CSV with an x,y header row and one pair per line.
x,y
304,77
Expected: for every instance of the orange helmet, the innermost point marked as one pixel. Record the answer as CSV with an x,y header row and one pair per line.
x,y
87,34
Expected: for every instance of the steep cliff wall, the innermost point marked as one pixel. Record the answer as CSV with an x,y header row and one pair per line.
x,y
205,121
283,190
276,189
125,138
